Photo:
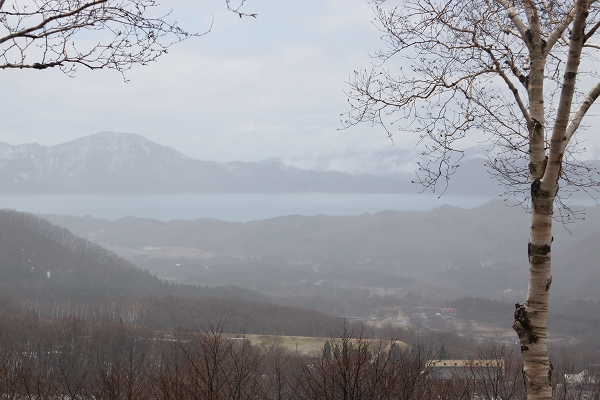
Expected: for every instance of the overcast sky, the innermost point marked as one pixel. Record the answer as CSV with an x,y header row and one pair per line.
x,y
250,89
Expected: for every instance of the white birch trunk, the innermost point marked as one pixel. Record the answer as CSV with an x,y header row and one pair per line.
x,y
531,317
468,47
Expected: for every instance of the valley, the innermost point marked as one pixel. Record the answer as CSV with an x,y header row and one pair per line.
x,y
372,266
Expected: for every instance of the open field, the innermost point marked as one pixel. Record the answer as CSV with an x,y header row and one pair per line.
x,y
162,252
304,345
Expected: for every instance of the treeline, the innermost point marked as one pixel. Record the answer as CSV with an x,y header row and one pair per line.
x,y
69,358
74,359
274,274
184,313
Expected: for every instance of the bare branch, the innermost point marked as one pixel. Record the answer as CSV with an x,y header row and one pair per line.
x,y
502,27
238,8
559,30
582,110
591,32
92,33
27,33
568,84
514,17
509,83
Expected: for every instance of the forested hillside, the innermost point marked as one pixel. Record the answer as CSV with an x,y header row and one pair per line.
x,y
448,251
46,262
58,275
373,266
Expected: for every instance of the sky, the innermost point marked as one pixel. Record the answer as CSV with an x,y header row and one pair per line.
x,y
250,89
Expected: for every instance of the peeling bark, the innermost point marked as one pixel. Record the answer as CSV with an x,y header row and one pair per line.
x,y
532,316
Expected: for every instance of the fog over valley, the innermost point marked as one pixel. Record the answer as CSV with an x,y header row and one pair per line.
x,y
370,265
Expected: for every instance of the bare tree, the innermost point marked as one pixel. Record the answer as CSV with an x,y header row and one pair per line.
x,y
518,74
498,376
97,34
277,370
217,366
359,368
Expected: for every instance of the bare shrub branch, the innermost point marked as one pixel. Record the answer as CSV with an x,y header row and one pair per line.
x,y
96,34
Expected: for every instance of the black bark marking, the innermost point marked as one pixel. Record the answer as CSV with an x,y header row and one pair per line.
x,y
538,254
548,284
536,185
533,168
541,199
524,79
534,250
528,36
522,326
570,75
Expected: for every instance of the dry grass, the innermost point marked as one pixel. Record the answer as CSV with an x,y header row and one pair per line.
x,y
305,345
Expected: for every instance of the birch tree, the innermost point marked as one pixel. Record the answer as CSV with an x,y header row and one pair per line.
x,y
517,73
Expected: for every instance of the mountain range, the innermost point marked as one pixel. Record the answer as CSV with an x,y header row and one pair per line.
x,y
119,163
431,257
447,251
122,163
370,264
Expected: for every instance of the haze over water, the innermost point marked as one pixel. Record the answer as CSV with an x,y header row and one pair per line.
x,y
230,207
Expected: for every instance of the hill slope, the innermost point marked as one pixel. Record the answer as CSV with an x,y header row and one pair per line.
x,y
47,262
46,265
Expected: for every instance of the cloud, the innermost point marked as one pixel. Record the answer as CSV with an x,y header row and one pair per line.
x,y
378,162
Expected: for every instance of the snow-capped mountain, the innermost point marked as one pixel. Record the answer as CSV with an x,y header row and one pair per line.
x,y
104,162
111,162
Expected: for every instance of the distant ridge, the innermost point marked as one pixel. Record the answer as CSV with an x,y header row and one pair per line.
x,y
121,163
478,251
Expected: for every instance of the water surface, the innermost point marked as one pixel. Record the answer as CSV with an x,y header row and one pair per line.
x,y
230,207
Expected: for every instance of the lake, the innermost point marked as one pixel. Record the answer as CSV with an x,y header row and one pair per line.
x,y
229,207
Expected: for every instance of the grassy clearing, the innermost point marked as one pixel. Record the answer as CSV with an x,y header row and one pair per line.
x,y
305,345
